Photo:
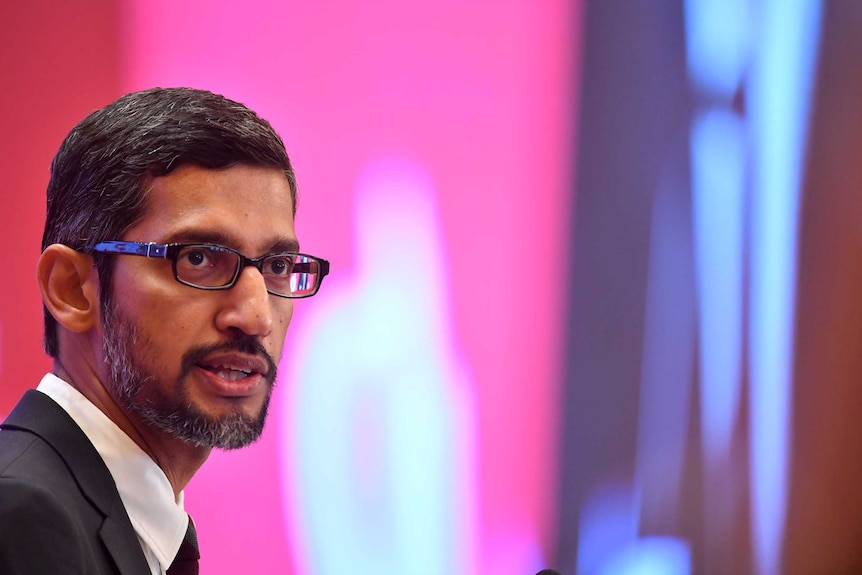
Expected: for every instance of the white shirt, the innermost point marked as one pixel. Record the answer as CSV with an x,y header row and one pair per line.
x,y
158,518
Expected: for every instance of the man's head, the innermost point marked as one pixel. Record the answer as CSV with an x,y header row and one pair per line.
x,y
173,350
100,175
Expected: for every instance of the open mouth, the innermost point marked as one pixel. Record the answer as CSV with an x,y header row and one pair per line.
x,y
233,367
229,373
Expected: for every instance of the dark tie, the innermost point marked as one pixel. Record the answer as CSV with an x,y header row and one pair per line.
x,y
186,561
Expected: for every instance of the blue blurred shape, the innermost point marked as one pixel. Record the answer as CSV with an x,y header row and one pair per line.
x,y
717,43
651,556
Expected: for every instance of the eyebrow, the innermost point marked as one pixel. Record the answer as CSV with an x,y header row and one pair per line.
x,y
195,236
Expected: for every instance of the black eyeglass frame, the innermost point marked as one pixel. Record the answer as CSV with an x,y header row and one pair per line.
x,y
172,251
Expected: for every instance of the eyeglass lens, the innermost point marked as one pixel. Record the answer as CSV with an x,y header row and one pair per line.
x,y
213,266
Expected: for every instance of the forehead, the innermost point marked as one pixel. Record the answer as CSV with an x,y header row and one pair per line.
x,y
248,208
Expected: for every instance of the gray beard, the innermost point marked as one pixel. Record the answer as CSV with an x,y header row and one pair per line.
x,y
176,415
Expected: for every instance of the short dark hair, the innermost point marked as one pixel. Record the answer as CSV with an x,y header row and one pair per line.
x,y
104,167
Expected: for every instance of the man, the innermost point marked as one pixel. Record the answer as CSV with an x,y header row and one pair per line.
x,y
168,273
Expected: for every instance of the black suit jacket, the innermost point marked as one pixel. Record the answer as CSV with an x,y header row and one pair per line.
x,y
60,512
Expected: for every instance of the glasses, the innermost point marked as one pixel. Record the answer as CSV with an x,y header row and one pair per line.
x,y
214,267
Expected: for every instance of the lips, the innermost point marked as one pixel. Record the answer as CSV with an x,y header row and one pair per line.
x,y
233,367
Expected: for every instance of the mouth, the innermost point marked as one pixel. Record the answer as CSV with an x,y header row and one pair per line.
x,y
228,373
235,374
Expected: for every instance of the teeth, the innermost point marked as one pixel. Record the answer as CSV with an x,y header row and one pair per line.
x,y
232,374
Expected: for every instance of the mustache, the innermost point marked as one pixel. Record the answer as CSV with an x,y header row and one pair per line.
x,y
245,344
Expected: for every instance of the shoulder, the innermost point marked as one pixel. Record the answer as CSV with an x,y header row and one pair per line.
x,y
39,533
25,454
35,476
29,502
47,524
39,441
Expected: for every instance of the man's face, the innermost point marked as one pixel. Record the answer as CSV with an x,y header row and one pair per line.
x,y
200,364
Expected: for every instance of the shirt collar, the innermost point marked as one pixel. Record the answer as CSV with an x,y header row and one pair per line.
x,y
159,519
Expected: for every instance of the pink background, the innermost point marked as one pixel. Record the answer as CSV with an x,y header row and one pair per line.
x,y
477,99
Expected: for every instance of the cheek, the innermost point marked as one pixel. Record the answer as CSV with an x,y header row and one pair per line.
x,y
288,315
166,330
152,295
284,316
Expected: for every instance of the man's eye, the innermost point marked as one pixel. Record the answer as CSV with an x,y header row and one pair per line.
x,y
196,257
278,266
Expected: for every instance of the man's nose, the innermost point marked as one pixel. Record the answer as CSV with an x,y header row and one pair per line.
x,y
247,305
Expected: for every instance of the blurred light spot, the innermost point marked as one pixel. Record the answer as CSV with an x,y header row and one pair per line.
x,y
717,43
718,194
608,523
779,96
382,433
651,556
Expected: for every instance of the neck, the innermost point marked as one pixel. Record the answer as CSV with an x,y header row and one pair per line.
x,y
178,459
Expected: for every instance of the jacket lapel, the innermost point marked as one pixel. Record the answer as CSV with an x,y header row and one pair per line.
x,y
39,414
125,551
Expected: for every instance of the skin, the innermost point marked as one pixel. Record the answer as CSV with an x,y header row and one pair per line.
x,y
244,207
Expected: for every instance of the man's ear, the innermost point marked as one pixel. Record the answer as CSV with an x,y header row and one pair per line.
x,y
70,287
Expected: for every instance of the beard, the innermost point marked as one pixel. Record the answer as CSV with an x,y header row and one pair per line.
x,y
137,390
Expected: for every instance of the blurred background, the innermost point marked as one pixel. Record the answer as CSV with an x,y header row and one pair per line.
x,y
669,387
